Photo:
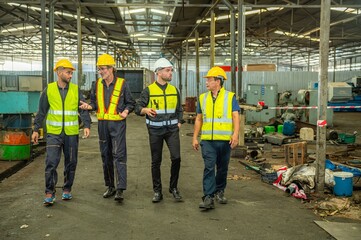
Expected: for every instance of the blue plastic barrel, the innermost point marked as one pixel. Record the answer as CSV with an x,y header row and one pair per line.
x,y
289,128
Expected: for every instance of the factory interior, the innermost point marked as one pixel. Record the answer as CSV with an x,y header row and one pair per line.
x,y
294,67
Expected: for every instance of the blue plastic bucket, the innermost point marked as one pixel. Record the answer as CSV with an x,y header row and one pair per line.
x,y
343,183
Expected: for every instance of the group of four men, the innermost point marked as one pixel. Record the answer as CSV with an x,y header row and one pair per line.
x,y
111,98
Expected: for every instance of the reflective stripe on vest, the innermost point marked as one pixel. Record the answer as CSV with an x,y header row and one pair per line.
x,y
62,114
217,115
164,103
111,113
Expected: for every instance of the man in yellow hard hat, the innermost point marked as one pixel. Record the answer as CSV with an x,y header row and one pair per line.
x,y
161,104
112,100
218,120
59,104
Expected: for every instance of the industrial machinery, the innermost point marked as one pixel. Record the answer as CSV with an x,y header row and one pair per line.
x,y
137,79
19,97
352,96
257,93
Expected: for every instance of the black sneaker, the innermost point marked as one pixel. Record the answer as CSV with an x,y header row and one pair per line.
x,y
119,196
176,194
208,203
158,196
220,197
109,192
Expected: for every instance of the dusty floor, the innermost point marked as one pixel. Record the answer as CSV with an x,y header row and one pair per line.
x,y
255,210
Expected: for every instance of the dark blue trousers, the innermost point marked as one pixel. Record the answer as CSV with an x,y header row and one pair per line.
x,y
55,144
113,149
216,155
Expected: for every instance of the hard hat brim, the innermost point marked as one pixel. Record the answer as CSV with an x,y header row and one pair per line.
x,y
56,68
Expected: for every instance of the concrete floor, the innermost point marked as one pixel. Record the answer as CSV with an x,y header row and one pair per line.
x,y
255,210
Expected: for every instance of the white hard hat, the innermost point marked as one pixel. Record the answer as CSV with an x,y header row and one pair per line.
x,y
162,63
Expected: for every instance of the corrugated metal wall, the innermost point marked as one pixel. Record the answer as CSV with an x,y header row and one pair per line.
x,y
286,81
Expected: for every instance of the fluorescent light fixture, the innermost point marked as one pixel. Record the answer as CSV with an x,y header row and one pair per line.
x,y
258,11
100,21
148,53
119,42
17,29
137,35
148,39
220,35
158,35
64,14
138,10
161,12
347,10
296,35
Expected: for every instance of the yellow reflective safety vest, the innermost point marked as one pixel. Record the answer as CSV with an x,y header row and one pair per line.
x,y
217,115
110,114
164,103
62,114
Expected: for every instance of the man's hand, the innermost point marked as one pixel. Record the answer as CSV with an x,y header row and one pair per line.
x,y
85,106
149,111
124,114
86,132
195,144
234,141
35,137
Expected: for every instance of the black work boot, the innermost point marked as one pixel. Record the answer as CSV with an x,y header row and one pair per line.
x,y
119,196
158,196
207,203
176,194
109,192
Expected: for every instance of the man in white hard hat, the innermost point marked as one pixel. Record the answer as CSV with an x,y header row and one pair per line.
x,y
161,104
59,104
218,120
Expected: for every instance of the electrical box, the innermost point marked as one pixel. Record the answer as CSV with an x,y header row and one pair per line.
x,y
260,92
30,83
312,115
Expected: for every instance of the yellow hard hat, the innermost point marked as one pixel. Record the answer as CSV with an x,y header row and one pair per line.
x,y
65,63
216,72
105,60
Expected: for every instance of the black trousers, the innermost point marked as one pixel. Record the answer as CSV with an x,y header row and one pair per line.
x,y
113,149
156,141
